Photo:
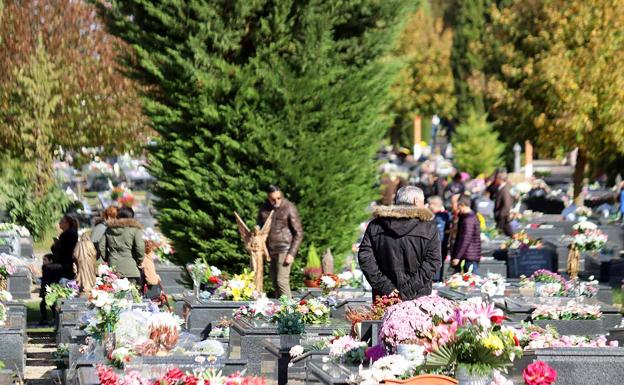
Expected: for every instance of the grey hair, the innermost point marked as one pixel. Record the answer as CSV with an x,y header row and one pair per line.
x,y
409,196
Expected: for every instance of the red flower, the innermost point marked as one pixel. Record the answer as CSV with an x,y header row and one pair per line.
x,y
190,380
466,277
516,340
213,279
106,375
173,376
539,373
303,302
497,319
253,381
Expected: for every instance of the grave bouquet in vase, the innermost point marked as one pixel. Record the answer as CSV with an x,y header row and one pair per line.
x,y
7,268
109,297
58,291
240,287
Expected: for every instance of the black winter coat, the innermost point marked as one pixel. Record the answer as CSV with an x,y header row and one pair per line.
x,y
63,252
468,242
401,251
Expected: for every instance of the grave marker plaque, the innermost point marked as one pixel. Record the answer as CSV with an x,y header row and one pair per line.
x,y
527,261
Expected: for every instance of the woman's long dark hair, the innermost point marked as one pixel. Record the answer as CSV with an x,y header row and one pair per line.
x,y
72,220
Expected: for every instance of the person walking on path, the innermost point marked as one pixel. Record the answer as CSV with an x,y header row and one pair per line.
x,y
284,239
502,205
400,250
122,245
467,247
443,221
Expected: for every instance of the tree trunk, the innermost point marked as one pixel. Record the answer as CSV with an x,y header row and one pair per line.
x,y
579,175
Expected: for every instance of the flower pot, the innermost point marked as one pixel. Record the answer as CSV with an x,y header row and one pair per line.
x,y
465,378
287,341
425,379
310,283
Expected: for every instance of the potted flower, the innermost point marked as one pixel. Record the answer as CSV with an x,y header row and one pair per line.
x,y
290,325
313,271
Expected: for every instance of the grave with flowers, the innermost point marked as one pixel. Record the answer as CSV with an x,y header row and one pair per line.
x,y
264,320
340,291
12,332
215,297
124,332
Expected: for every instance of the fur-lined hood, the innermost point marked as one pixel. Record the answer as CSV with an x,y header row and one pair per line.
x,y
124,222
403,212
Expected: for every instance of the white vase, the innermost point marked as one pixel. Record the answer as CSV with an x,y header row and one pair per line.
x,y
466,378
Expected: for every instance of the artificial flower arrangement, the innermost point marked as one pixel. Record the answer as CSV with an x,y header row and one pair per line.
x,y
587,237
375,312
539,373
110,295
7,266
548,284
5,296
158,244
522,240
535,337
351,278
570,311
206,276
13,228
97,167
329,283
123,196
262,308
108,376
61,290
341,348
240,287
467,279
467,336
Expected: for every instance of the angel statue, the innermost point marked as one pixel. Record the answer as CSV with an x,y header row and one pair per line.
x,y
255,243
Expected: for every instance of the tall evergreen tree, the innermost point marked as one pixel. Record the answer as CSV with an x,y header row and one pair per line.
x,y
251,92
469,21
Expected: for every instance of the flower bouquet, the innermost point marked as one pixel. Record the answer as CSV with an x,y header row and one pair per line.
x,y
109,297
313,311
7,267
536,337
159,245
351,278
5,296
240,287
108,376
462,280
262,308
328,283
522,240
347,350
57,291
539,373
587,237
570,311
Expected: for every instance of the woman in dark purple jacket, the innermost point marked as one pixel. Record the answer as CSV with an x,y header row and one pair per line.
x,y
467,245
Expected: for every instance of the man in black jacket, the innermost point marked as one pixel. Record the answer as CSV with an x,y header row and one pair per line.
x,y
401,247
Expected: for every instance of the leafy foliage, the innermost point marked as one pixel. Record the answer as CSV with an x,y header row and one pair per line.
x,y
97,105
561,88
24,207
248,93
476,145
425,83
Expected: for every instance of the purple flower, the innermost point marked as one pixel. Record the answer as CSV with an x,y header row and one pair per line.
x,y
376,352
73,285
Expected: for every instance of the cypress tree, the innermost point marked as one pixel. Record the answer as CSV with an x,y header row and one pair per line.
x,y
469,21
249,92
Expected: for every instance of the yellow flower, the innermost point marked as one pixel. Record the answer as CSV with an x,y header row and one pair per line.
x,y
493,343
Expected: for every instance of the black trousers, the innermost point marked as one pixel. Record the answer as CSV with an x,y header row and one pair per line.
x,y
504,225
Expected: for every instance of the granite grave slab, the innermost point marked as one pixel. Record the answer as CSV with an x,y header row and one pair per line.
x,y
202,315
175,279
20,282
